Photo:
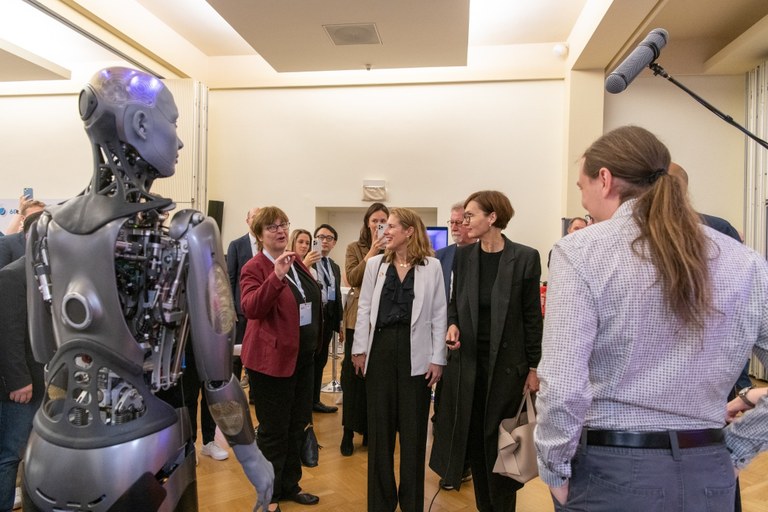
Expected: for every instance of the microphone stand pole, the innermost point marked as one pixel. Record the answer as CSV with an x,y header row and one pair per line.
x,y
658,70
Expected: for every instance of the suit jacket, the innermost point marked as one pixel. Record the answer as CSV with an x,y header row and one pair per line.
x,y
335,317
12,247
515,347
238,254
446,256
428,316
271,341
18,367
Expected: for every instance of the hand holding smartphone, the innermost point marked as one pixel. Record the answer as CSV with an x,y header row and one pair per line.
x,y
317,246
28,193
380,231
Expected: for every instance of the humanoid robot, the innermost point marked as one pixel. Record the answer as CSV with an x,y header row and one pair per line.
x,y
114,296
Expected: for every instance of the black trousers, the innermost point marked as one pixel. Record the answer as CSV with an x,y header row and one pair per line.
x,y
493,492
354,414
283,408
397,402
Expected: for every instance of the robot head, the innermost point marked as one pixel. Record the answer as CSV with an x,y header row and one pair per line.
x,y
122,105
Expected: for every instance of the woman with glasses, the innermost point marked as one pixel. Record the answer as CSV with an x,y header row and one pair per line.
x,y
494,342
399,346
282,302
354,416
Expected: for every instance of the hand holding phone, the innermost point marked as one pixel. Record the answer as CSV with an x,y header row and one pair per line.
x,y
317,246
28,193
380,231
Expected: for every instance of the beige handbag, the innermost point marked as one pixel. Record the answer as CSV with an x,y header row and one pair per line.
x,y
517,453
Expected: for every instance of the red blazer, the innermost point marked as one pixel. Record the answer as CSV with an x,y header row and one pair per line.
x,y
271,341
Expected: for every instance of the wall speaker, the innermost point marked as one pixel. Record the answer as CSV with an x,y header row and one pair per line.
x,y
216,210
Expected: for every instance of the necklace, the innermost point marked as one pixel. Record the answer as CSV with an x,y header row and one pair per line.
x,y
402,265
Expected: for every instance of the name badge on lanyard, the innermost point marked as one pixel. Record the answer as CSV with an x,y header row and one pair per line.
x,y
305,313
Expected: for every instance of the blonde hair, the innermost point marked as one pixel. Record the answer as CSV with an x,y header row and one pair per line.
x,y
418,244
668,223
295,237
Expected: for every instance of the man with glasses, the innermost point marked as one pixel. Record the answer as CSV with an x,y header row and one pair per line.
x,y
329,277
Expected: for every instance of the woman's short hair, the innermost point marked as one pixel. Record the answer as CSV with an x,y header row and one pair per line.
x,y
491,201
263,218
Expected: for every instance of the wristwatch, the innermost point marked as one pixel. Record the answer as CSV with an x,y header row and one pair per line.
x,y
743,396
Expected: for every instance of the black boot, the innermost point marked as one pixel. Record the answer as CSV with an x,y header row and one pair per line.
x,y
347,448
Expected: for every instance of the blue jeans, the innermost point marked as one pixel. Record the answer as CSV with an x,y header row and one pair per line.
x,y
606,479
15,425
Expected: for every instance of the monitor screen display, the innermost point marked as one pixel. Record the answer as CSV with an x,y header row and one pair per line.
x,y
438,236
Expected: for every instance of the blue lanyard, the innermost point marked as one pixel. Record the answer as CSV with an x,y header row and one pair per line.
x,y
295,280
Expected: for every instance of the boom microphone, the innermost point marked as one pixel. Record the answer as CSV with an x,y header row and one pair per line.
x,y
645,53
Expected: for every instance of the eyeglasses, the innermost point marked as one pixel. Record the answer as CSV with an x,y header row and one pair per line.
x,y
272,228
455,222
326,238
468,217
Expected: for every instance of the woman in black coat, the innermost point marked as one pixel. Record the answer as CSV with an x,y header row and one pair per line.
x,y
494,337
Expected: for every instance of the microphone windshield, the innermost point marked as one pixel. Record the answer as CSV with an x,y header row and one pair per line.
x,y
645,53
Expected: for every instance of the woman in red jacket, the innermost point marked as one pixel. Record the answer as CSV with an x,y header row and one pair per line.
x,y
282,303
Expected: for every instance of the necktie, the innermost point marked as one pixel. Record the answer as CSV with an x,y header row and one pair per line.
x,y
327,273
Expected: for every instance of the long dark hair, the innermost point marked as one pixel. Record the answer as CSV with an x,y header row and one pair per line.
x,y
365,231
669,226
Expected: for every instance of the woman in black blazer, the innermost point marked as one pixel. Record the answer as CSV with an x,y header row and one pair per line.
x,y
494,341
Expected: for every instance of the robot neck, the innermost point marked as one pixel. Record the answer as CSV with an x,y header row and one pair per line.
x,y
121,173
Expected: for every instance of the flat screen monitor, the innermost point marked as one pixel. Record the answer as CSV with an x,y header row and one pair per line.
x,y
438,236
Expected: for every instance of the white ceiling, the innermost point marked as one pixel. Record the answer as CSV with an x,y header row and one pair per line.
x,y
259,43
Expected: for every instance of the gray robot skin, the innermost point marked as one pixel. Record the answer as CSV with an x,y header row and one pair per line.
x,y
115,293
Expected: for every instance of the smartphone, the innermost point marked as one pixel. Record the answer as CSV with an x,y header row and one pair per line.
x,y
28,193
317,245
380,230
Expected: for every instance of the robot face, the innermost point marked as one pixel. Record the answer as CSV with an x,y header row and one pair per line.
x,y
160,148
137,108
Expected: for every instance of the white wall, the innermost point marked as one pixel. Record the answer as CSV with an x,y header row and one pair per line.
x,y
44,146
710,150
305,148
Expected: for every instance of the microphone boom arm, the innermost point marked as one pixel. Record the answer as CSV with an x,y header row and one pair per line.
x,y
658,70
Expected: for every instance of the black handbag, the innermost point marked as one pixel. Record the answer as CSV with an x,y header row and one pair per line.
x,y
309,448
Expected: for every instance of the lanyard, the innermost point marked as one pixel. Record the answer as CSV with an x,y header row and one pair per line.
x,y
294,280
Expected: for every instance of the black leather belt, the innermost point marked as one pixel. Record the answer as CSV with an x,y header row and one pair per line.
x,y
659,440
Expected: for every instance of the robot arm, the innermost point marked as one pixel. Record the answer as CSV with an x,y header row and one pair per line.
x,y
39,296
212,321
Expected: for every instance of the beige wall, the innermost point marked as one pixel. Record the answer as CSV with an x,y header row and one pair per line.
x,y
310,149
305,148
708,148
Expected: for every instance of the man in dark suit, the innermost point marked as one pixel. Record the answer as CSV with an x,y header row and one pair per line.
x,y
329,277
239,252
12,245
21,377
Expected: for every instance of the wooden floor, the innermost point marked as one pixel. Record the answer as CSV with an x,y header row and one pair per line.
x,y
340,482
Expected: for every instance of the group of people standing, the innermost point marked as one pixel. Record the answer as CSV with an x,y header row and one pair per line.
x,y
647,329
395,322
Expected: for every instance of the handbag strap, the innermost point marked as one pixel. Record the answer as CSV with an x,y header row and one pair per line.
x,y
529,407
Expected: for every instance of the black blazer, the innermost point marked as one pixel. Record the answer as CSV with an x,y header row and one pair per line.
x,y
514,348
12,247
238,254
18,367
335,319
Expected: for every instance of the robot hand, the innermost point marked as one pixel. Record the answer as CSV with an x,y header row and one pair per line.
x,y
258,470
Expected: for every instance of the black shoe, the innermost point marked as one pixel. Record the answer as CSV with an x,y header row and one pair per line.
x,y
446,486
321,407
347,448
304,498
